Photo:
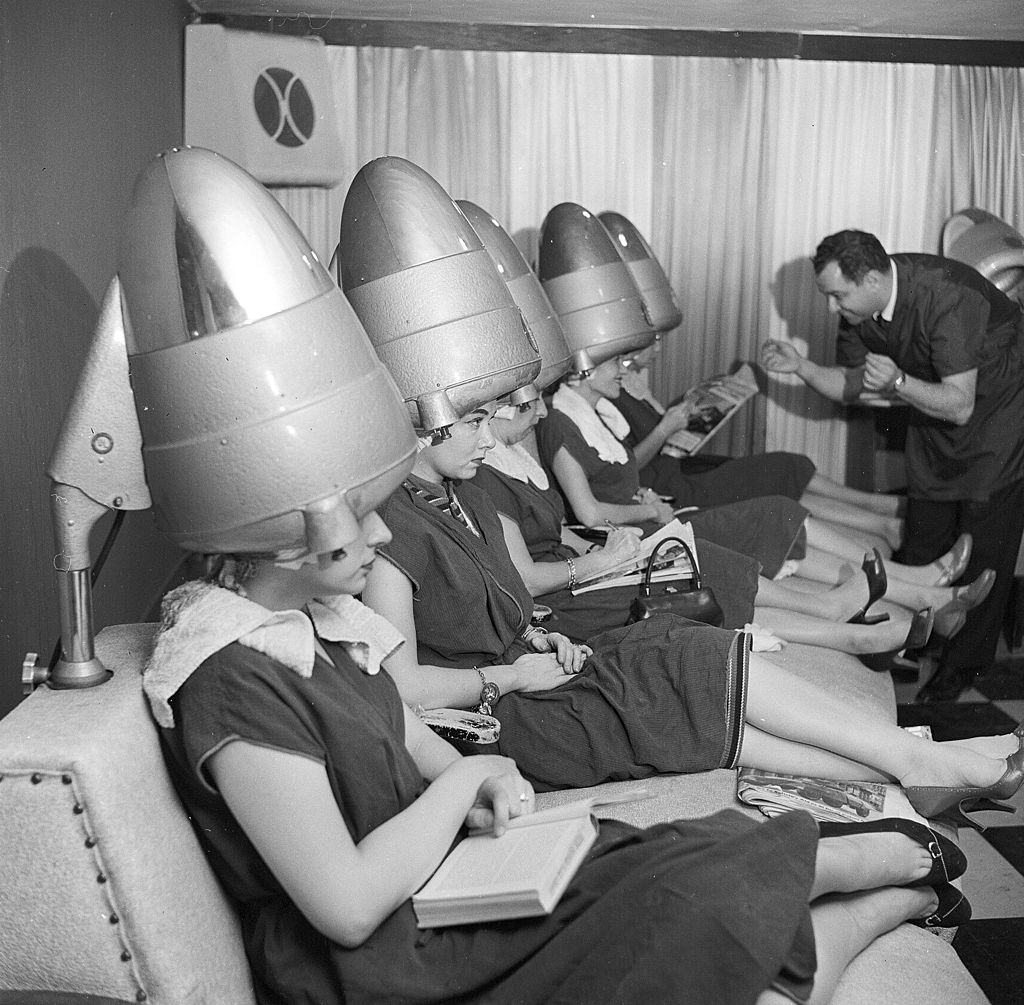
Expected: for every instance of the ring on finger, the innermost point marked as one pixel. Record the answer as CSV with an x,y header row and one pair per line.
x,y
523,797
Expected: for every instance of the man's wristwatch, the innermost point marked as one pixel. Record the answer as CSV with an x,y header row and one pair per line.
x,y
901,379
489,693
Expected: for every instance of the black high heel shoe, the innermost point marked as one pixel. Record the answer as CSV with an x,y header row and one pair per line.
x,y
878,583
953,909
953,803
920,631
948,861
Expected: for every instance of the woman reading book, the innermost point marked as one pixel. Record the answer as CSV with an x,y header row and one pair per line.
x,y
597,476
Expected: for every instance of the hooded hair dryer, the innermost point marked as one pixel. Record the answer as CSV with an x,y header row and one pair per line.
x,y
530,297
590,287
257,417
438,313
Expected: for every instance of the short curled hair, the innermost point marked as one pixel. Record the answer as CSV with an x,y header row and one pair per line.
x,y
855,252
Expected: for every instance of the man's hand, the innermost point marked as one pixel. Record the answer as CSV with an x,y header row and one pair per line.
x,y
879,372
780,357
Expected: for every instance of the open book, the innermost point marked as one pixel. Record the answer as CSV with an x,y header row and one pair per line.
x,y
672,562
521,874
719,398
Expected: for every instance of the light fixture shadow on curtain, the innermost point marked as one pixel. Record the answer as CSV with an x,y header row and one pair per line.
x,y
793,294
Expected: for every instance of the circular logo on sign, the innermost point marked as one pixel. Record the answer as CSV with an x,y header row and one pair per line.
x,y
284,107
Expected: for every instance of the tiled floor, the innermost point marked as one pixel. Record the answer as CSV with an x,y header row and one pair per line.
x,y
992,943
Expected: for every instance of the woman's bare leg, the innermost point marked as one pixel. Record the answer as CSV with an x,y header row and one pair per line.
x,y
837,604
846,924
889,528
825,537
793,626
827,567
877,502
774,753
790,708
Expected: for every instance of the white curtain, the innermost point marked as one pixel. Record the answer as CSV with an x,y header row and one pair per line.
x,y
734,169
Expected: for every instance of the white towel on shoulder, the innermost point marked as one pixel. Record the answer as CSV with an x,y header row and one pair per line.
x,y
597,434
201,618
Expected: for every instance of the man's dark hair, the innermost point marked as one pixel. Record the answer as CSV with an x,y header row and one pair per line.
x,y
855,252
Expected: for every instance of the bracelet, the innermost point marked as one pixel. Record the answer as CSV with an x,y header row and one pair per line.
x,y
901,379
572,572
489,693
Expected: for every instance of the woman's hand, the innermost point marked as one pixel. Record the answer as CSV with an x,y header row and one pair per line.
x,y
570,656
622,544
503,794
678,416
660,511
538,671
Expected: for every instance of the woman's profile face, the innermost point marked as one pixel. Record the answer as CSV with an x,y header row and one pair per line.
x,y
643,359
511,429
606,379
345,570
460,456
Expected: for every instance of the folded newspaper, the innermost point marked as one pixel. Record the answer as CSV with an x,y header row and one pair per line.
x,y
672,563
717,400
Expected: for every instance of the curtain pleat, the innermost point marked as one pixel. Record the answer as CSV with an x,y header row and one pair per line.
x,y
734,169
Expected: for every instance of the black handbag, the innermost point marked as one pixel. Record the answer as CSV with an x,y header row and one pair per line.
x,y
681,597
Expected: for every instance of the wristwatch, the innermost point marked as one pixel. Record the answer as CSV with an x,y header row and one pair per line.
x,y
901,379
489,693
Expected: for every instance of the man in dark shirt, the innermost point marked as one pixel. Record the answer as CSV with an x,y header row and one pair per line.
x,y
934,335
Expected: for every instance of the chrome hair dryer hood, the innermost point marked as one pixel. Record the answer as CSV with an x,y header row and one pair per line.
x,y
440,317
529,295
989,245
590,287
267,419
644,267
257,417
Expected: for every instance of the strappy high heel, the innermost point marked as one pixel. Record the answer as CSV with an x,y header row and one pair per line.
x,y
920,631
878,583
953,909
954,803
948,861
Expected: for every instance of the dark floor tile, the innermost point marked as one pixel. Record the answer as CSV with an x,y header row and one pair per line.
x,y
1009,842
990,949
1004,681
952,720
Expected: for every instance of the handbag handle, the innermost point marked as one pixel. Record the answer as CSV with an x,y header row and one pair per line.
x,y
645,589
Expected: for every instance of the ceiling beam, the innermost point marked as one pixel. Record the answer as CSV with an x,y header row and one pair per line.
x,y
637,41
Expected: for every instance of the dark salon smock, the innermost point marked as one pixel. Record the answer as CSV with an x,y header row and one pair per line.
x,y
948,320
732,480
684,912
769,529
540,513
664,695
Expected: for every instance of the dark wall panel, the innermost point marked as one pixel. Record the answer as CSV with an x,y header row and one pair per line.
x,y
89,91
